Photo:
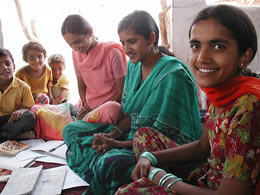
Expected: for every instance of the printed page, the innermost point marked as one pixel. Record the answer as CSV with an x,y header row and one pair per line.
x,y
12,147
22,181
50,181
28,154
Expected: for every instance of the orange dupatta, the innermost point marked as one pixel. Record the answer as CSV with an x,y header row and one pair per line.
x,y
233,88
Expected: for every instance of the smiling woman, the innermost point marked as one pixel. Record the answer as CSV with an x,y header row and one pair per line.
x,y
210,55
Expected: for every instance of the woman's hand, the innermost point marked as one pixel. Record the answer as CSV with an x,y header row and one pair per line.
x,y
142,169
103,142
82,112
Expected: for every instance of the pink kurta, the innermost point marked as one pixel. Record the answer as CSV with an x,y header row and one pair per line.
x,y
99,70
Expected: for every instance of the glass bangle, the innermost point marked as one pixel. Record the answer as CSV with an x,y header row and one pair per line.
x,y
150,156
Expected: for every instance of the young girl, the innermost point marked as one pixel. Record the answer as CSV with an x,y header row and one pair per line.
x,y
36,73
221,47
100,67
158,89
60,83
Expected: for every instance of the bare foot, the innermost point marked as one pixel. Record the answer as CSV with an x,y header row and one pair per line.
x,y
26,135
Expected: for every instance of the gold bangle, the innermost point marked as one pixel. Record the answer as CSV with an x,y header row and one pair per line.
x,y
118,130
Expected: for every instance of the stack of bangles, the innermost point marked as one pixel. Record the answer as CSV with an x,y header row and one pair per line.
x,y
166,177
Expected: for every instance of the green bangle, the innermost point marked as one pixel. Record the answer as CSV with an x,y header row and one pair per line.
x,y
164,178
171,176
153,173
173,182
150,156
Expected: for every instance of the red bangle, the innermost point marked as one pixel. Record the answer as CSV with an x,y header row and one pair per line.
x,y
60,98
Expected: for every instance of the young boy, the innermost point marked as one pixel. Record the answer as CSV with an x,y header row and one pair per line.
x,y
16,121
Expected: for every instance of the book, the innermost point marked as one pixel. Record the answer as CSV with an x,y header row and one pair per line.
x,y
22,181
54,148
12,147
36,181
50,181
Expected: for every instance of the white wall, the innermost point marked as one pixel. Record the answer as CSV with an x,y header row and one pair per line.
x,y
1,35
183,14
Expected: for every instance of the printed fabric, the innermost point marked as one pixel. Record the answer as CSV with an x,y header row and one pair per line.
x,y
234,139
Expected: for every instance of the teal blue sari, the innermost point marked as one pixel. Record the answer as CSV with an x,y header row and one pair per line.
x,y
166,100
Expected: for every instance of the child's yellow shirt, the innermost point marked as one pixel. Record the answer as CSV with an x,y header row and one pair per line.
x,y
63,83
38,85
17,95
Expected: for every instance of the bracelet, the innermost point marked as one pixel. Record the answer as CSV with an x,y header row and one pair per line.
x,y
164,178
150,156
173,182
118,130
171,176
153,173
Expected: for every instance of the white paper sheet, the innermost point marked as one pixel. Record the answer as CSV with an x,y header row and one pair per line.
x,y
73,180
50,181
22,181
12,162
52,159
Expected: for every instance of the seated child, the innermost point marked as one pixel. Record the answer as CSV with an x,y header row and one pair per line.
x,y
36,73
60,83
16,121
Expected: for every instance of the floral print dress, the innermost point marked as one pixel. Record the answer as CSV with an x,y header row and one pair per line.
x,y
234,137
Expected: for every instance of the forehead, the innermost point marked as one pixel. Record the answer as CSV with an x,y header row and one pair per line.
x,y
210,29
34,52
70,37
128,34
4,59
57,65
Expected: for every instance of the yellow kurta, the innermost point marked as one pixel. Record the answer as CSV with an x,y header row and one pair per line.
x,y
38,85
63,83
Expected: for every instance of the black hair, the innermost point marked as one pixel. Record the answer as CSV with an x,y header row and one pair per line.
x,y
234,19
6,52
143,24
75,24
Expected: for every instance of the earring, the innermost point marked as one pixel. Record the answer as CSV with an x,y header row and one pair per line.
x,y
241,66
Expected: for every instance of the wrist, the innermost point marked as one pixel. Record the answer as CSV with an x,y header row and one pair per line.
x,y
154,172
118,130
168,180
150,156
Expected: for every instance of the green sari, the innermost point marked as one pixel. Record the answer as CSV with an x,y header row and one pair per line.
x,y
166,100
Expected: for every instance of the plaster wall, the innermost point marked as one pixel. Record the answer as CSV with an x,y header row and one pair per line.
x,y
1,35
